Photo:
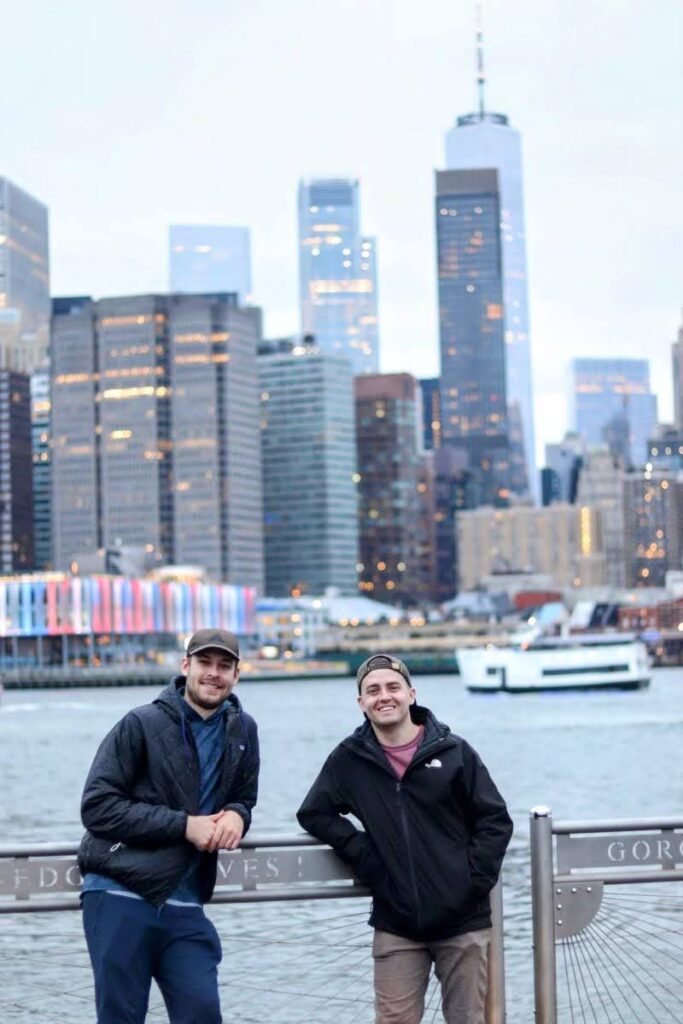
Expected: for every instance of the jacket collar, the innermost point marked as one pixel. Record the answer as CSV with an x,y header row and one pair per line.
x,y
364,736
170,697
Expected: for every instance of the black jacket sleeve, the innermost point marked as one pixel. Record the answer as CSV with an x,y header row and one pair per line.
x,y
244,794
109,809
489,822
321,814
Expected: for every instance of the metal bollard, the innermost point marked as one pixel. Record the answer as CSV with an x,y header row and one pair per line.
x,y
543,914
495,994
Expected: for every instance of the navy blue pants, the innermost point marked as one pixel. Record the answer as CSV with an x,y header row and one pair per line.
x,y
130,942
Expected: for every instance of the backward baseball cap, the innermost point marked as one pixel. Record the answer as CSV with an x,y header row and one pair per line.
x,y
382,661
221,639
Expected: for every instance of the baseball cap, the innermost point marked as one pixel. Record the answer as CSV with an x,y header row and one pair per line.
x,y
382,661
220,638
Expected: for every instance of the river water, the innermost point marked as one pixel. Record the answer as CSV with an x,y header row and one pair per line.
x,y
586,755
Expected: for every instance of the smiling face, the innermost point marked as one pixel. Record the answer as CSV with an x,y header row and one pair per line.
x,y
385,697
210,677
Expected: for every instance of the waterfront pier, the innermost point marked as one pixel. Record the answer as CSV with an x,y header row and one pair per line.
x,y
302,966
606,903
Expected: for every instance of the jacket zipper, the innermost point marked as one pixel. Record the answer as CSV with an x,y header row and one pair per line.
x,y
406,836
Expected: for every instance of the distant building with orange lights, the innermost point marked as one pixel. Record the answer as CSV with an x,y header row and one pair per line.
x,y
155,431
653,526
395,500
562,541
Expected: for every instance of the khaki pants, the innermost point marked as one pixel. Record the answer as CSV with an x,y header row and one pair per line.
x,y
402,973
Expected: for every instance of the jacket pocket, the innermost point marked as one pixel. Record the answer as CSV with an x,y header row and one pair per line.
x,y
366,863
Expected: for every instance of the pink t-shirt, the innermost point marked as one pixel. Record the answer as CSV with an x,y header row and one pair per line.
x,y
400,757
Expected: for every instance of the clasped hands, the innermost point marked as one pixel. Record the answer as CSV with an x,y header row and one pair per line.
x,y
220,831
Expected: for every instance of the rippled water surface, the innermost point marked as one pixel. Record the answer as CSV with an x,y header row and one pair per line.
x,y
591,755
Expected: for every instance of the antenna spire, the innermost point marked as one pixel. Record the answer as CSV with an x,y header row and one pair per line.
x,y
481,78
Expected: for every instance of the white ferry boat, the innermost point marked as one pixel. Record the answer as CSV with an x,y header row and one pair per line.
x,y
583,661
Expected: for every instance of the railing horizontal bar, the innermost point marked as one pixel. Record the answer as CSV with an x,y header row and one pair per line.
x,y
332,892
616,825
619,878
38,906
250,842
40,850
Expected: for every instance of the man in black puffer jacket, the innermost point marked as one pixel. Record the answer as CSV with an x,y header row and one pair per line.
x,y
172,783
435,833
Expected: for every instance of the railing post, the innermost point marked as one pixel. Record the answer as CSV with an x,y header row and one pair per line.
x,y
543,915
495,994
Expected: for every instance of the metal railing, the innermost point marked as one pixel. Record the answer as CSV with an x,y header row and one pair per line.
x,y
269,867
617,953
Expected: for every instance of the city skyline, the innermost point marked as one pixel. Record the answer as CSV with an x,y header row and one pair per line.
x,y
602,166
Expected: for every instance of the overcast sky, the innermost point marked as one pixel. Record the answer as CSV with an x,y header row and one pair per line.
x,y
124,117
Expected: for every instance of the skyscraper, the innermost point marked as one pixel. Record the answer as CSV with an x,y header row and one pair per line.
x,y
24,279
486,141
24,336
474,411
431,412
611,403
653,526
210,258
156,438
16,478
562,468
338,272
42,476
309,470
390,457
677,364
74,415
601,485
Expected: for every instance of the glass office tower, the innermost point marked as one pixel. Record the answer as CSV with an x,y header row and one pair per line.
x,y
24,280
486,140
42,476
474,411
310,500
611,403
155,417
210,258
677,367
338,272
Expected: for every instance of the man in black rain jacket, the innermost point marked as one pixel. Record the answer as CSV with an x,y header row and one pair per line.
x,y
171,784
435,833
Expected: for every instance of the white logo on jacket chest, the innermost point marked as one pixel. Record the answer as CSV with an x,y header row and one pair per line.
x,y
434,763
